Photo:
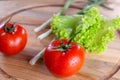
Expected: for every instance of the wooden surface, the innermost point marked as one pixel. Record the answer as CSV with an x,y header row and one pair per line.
x,y
96,67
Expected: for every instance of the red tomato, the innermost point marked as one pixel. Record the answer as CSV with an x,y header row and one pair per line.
x,y
63,63
12,42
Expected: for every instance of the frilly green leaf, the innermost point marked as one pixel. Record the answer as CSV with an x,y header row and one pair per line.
x,y
95,31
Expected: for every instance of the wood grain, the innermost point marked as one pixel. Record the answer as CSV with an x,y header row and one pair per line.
x,y
96,67
5,76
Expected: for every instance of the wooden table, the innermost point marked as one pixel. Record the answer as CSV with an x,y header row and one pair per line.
x,y
96,67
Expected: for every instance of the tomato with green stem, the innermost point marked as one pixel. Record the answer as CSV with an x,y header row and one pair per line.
x,y
63,58
13,38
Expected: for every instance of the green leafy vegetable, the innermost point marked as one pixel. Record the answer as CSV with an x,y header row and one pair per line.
x,y
95,32
63,26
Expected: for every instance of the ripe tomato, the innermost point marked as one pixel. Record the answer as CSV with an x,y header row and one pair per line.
x,y
63,63
13,39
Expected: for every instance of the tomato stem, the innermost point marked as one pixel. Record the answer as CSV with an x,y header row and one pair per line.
x,y
9,29
62,44
66,46
72,37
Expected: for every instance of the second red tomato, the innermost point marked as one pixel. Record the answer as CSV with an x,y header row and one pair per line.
x,y
63,63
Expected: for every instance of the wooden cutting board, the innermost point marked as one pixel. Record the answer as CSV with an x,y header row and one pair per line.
x,y
96,67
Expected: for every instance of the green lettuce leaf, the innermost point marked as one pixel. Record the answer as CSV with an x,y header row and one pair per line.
x,y
95,32
63,26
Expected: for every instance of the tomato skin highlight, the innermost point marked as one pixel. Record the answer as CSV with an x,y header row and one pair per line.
x,y
12,43
64,63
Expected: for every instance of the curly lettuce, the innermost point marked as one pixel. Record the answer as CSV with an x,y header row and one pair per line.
x,y
95,32
63,26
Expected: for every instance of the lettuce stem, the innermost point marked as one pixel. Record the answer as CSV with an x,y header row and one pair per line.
x,y
45,34
36,57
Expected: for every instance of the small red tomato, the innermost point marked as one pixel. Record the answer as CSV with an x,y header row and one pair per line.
x,y
63,61
13,38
